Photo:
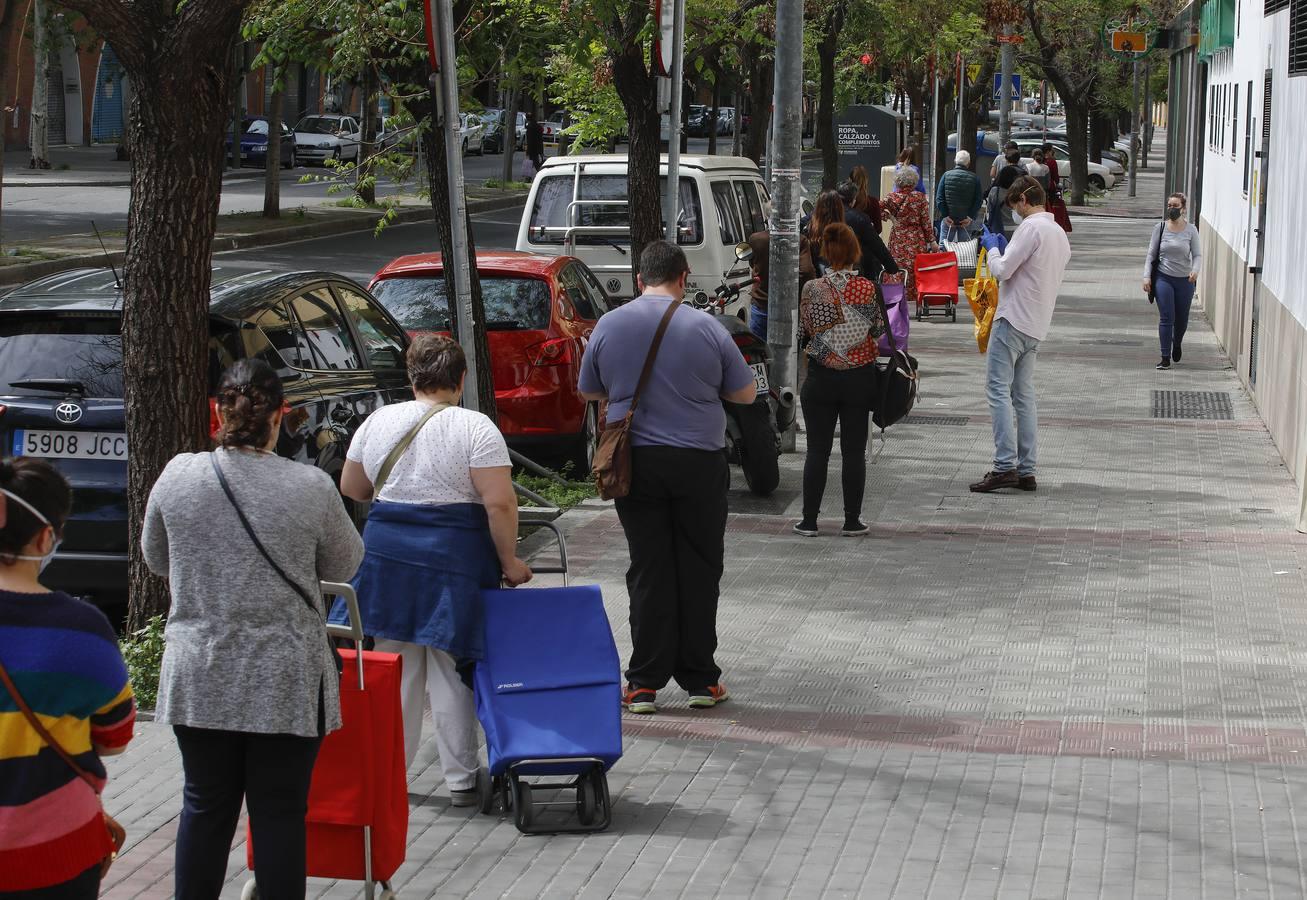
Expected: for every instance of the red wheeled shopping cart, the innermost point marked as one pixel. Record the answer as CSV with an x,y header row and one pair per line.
x,y
937,283
357,825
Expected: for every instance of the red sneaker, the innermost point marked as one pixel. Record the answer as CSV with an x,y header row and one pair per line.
x,y
639,700
709,696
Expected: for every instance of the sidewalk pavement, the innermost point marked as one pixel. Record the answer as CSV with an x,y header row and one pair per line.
x,y
1095,691
94,166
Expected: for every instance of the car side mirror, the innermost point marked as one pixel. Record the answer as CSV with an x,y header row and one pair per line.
x,y
743,252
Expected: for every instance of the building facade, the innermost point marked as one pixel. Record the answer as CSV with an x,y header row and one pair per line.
x,y
1239,126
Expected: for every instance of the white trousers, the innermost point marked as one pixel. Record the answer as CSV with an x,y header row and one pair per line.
x,y
429,675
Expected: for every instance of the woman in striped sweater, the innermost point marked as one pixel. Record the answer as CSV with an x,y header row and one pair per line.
x,y
62,658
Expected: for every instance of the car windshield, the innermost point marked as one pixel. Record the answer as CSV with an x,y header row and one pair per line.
x,y
511,303
85,352
256,126
554,197
318,125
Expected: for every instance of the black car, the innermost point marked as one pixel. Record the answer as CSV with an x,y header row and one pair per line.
x,y
254,144
339,353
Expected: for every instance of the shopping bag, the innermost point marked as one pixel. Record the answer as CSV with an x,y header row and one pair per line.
x,y
897,319
528,170
959,241
982,295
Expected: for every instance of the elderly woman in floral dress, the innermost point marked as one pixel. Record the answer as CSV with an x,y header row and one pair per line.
x,y
912,233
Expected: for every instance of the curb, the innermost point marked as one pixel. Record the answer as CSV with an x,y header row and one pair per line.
x,y
117,182
18,274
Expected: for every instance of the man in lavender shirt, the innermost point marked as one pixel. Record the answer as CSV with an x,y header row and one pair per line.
x,y
675,514
1029,273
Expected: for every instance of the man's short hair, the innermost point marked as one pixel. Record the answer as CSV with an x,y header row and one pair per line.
x,y
962,159
1027,187
662,263
848,192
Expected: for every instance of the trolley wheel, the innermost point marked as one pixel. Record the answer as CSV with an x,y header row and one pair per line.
x,y
387,894
522,801
504,789
485,792
586,799
952,312
250,891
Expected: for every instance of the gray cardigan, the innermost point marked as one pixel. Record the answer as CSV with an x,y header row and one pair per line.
x,y
244,652
1181,251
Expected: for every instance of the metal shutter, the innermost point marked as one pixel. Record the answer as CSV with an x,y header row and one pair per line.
x,y
1298,37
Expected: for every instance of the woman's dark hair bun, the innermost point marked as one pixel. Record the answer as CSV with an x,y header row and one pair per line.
x,y
45,488
249,395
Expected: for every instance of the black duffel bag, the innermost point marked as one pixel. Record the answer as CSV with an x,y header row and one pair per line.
x,y
894,390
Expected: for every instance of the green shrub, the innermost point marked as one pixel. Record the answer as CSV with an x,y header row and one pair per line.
x,y
562,496
143,651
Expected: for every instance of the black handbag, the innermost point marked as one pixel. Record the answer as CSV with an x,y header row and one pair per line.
x,y
263,551
1156,250
896,384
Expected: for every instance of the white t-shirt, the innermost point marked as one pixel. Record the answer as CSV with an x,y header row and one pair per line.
x,y
434,468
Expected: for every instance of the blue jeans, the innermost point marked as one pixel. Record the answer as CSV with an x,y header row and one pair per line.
x,y
1175,296
1010,387
758,321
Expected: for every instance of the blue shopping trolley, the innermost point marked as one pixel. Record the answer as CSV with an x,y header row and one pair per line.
x,y
548,695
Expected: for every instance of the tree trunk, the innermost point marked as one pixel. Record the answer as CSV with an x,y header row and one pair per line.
x,y
510,132
8,15
762,91
39,118
975,97
179,61
364,175
825,133
272,162
237,106
1097,134
433,147
1077,133
716,109
638,92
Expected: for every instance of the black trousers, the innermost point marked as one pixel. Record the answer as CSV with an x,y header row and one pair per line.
x,y
829,396
272,773
675,524
84,887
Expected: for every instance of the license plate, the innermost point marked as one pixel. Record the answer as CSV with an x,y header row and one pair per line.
x,y
70,444
760,377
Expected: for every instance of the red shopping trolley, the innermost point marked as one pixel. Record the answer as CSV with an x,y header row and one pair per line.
x,y
357,824
937,284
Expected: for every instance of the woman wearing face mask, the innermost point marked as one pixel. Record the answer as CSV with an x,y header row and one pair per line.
x,y
1171,276
59,656
249,680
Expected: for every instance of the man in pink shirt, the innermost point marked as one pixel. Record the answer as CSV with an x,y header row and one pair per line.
x,y
1029,271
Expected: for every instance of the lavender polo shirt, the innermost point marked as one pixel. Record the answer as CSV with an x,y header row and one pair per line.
x,y
697,362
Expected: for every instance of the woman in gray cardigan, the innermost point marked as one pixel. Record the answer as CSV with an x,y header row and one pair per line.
x,y
249,682
1177,253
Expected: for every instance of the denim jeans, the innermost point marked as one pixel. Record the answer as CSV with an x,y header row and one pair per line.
x,y
758,321
1175,296
1010,387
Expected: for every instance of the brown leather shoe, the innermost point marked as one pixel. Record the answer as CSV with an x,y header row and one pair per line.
x,y
1027,483
994,481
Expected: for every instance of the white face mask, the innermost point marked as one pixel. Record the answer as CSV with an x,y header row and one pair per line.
x,y
49,557
1016,217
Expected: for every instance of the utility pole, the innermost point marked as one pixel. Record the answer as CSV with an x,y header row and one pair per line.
x,y
787,172
962,101
1146,116
445,89
1135,144
1005,87
671,200
932,176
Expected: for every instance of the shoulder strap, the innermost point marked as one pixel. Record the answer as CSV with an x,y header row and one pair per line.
x,y
398,450
653,354
41,730
258,544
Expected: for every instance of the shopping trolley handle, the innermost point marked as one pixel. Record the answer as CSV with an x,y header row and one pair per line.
x,y
354,630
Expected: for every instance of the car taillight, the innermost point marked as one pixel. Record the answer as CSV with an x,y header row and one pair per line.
x,y
214,424
556,352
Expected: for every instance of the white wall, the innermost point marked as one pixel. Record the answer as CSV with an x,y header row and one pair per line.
x,y
1261,43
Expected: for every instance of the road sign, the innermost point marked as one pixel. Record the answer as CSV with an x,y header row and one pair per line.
x,y
664,43
973,72
998,88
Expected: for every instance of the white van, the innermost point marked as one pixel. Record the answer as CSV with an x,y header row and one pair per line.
x,y
577,207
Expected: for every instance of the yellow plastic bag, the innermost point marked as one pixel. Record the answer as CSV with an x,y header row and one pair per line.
x,y
982,295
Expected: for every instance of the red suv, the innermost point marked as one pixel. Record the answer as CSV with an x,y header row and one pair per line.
x,y
540,311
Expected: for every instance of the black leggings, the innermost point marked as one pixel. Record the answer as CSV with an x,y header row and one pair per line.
x,y
828,396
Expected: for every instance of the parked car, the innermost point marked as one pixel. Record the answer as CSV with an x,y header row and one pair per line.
x,y
254,144
539,311
698,122
339,354
1063,154
472,133
494,136
319,138
721,203
396,136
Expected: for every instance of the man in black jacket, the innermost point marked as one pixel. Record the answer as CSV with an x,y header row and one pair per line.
x,y
875,257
